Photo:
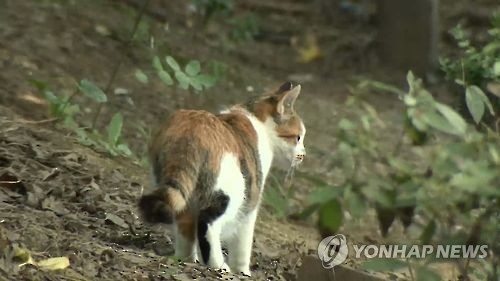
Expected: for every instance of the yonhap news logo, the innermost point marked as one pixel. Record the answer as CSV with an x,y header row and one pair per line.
x,y
334,250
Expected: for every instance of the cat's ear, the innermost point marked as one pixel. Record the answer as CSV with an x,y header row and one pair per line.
x,y
287,95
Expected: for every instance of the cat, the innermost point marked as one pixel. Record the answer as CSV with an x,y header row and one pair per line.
x,y
209,172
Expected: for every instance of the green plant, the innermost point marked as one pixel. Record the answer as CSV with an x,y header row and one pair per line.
x,y
241,27
62,108
277,197
59,107
112,142
244,28
211,8
186,77
476,69
440,167
189,76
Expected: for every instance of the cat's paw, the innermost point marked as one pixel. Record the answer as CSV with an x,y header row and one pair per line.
x,y
225,267
246,272
243,271
194,258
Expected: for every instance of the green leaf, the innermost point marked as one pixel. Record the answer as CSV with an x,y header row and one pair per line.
x,y
172,63
474,104
39,85
416,119
166,78
428,233
439,122
274,198
71,109
92,91
411,80
453,117
141,76
331,216
386,217
196,84
307,212
477,91
114,128
124,149
378,264
206,80
157,64
496,69
356,204
425,274
183,80
50,97
193,68
323,194
409,100
381,87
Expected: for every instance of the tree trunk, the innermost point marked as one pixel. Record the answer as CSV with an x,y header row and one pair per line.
x,y
408,34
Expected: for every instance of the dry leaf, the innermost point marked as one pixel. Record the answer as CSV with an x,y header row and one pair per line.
x,y
494,88
54,263
311,51
50,174
50,203
23,256
116,220
102,30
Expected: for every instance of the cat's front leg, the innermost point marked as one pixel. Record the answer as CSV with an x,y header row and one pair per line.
x,y
240,246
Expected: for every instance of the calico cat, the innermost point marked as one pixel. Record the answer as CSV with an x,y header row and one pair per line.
x,y
209,172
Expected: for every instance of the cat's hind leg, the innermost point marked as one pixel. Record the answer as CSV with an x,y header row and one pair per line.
x,y
240,245
209,231
185,236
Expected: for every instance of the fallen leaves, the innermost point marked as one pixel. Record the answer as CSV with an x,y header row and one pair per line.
x,y
23,257
11,183
309,51
116,220
53,263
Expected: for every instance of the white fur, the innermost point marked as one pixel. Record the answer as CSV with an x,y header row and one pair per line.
x,y
264,145
300,149
233,227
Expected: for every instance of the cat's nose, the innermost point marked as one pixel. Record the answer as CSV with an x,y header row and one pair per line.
x,y
301,156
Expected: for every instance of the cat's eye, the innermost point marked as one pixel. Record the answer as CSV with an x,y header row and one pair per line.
x,y
298,138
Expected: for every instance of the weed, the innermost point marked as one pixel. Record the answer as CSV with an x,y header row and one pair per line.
x,y
442,168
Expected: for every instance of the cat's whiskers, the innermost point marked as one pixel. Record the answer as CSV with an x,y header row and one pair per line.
x,y
290,174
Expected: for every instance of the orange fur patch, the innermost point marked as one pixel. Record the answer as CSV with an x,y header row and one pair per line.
x,y
186,223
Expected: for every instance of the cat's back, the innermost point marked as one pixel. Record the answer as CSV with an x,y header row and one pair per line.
x,y
221,132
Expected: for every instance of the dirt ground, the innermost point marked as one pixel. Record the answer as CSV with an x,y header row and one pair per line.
x,y
59,198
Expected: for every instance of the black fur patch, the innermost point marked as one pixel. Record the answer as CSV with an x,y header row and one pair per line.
x,y
154,209
217,207
247,176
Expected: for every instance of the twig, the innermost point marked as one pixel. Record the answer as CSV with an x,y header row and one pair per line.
x,y
397,148
10,182
410,270
32,121
119,63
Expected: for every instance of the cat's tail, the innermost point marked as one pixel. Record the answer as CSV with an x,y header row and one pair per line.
x,y
162,205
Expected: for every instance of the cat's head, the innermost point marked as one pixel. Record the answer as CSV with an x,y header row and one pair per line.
x,y
276,110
